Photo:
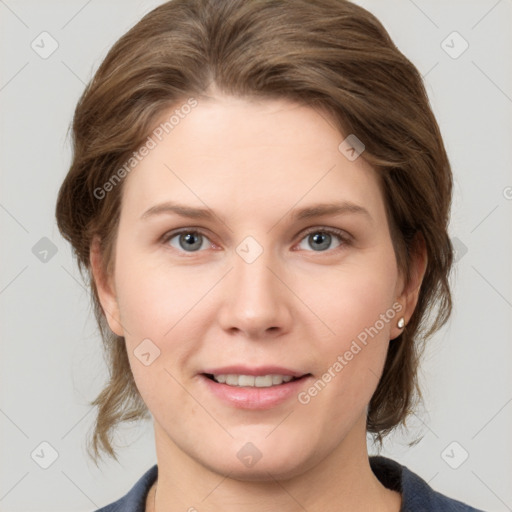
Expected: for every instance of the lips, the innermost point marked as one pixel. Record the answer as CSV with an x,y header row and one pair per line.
x,y
253,397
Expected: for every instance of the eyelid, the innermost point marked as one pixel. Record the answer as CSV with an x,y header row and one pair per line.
x,y
344,237
342,234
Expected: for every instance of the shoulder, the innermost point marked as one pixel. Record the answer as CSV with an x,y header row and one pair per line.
x,y
416,493
135,499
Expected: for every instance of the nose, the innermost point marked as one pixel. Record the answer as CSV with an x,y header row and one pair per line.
x,y
257,302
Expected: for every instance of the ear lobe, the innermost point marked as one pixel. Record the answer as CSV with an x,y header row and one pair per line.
x,y
410,293
105,288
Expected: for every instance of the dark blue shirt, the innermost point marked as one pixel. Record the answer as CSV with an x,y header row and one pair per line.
x,y
417,495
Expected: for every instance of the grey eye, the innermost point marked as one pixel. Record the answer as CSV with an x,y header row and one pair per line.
x,y
189,241
320,240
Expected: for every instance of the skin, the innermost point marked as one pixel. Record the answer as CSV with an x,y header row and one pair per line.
x,y
253,163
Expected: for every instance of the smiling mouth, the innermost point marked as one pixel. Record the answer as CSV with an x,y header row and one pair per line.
x,y
260,381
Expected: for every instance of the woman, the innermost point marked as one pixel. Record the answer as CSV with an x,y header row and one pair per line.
x,y
260,195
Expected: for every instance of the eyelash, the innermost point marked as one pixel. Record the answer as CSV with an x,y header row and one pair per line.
x,y
341,235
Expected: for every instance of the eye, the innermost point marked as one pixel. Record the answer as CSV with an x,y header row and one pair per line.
x,y
188,240
192,240
321,238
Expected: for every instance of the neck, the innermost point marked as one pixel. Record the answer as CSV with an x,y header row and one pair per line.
x,y
341,482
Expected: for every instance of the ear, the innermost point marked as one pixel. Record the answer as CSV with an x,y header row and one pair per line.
x,y
408,293
106,288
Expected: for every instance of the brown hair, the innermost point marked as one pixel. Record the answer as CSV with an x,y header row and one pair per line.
x,y
331,55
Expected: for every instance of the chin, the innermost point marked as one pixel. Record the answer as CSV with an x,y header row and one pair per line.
x,y
263,471
246,462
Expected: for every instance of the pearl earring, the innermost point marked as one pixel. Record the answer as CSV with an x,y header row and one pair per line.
x,y
401,323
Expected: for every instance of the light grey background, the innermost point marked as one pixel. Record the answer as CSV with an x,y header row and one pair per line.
x,y
51,359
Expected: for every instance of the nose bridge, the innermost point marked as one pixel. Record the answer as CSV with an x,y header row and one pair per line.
x,y
252,277
257,300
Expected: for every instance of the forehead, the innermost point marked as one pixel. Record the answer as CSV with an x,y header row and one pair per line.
x,y
234,154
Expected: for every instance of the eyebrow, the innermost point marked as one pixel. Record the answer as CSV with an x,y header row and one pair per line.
x,y
315,210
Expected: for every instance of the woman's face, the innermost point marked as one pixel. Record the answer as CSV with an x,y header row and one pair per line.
x,y
259,282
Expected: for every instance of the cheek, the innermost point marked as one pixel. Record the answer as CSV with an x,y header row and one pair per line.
x,y
152,297
352,298
160,307
356,303
153,314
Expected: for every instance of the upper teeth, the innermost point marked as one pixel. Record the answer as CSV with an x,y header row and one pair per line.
x,y
261,381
